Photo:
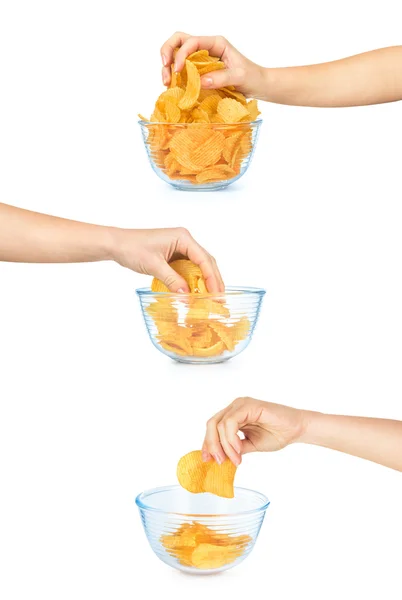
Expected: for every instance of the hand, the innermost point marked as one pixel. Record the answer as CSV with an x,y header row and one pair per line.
x,y
149,251
245,75
266,427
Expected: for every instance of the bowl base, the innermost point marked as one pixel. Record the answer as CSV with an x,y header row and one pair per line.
x,y
199,188
209,361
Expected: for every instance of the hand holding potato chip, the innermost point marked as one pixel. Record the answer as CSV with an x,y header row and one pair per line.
x,y
150,251
267,427
238,70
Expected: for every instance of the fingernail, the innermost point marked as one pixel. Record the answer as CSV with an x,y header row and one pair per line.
x,y
176,70
217,459
164,60
164,79
180,291
206,81
205,456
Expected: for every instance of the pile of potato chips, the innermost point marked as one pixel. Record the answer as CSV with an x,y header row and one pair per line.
x,y
206,330
217,136
196,545
197,476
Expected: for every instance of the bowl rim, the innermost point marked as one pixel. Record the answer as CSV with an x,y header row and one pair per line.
x,y
140,504
184,125
231,290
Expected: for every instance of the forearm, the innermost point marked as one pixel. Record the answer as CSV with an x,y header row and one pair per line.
x,y
27,236
370,78
378,440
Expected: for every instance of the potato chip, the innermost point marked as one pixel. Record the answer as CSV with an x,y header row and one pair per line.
x,y
232,93
187,269
210,151
172,111
210,104
231,111
196,545
191,472
193,87
215,349
224,333
230,144
214,66
215,173
197,476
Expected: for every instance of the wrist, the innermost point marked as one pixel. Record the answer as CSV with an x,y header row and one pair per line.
x,y
266,84
310,424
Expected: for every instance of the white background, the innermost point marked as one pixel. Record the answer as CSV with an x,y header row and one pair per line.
x,y
90,412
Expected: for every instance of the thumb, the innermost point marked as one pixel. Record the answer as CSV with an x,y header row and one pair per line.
x,y
170,278
217,79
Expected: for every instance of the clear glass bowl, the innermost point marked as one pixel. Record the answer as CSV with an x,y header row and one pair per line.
x,y
166,510
201,328
159,138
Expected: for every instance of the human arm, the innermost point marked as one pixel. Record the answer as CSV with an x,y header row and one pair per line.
x,y
31,237
267,427
369,78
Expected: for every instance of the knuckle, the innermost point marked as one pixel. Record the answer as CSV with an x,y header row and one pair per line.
x,y
169,280
183,231
211,422
221,38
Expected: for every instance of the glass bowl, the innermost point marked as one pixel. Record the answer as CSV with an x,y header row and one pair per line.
x,y
201,328
219,533
200,156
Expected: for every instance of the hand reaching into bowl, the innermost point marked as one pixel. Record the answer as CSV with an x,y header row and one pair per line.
x,y
32,237
267,427
369,78
240,71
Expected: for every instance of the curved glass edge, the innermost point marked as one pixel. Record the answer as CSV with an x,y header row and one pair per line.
x,y
230,290
183,125
142,506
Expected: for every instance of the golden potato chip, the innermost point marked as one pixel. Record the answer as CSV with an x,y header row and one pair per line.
x,y
209,556
185,143
193,87
215,173
196,545
215,349
209,152
191,472
201,56
225,334
241,329
232,93
205,93
186,269
229,146
197,476
214,66
141,117
219,479
231,110
210,104
199,115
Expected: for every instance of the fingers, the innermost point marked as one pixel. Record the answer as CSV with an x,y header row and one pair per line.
x,y
199,256
216,45
167,53
212,446
169,277
168,48
217,79
222,439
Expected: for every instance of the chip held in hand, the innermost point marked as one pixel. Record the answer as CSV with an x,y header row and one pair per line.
x,y
197,476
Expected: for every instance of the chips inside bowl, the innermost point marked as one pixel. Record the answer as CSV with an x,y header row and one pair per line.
x,y
196,325
196,545
200,136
